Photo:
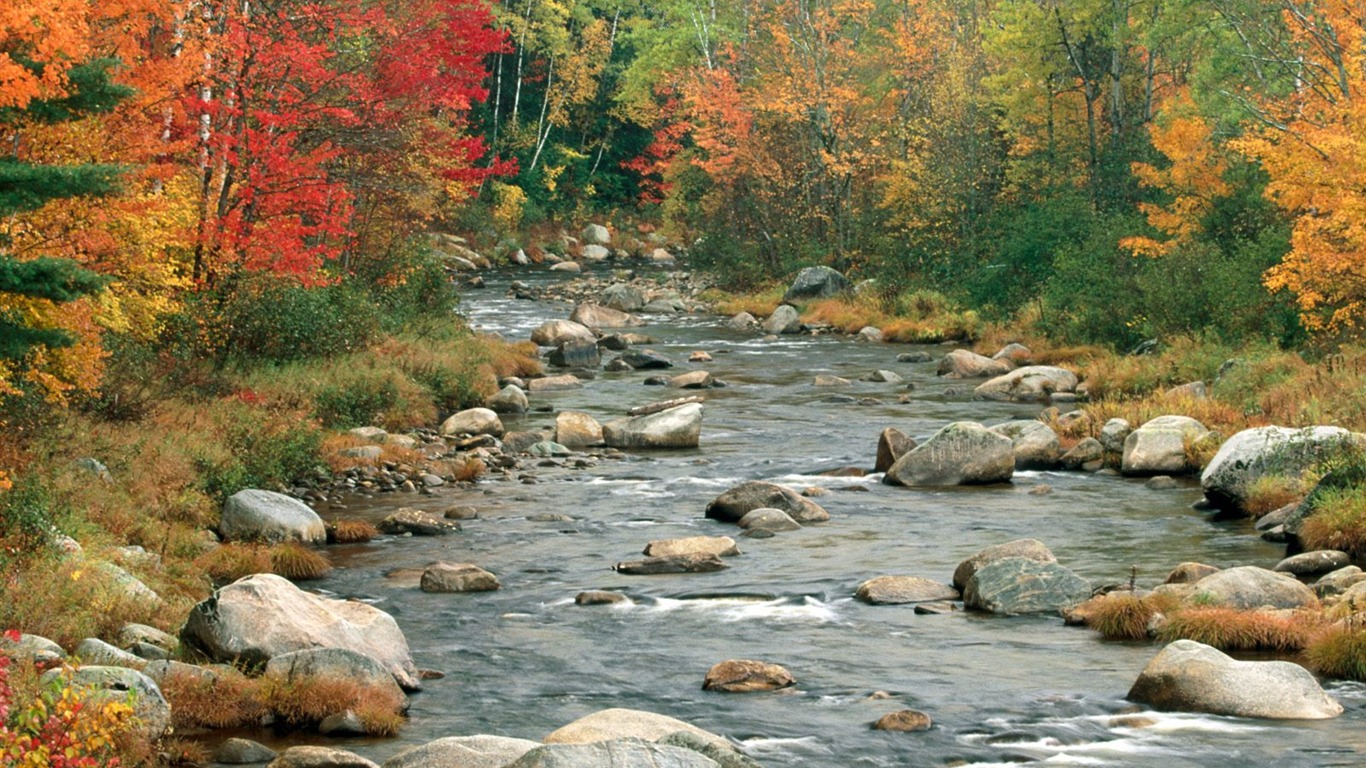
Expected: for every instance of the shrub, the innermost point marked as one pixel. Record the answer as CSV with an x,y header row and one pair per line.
x,y
1271,492
26,516
1339,651
351,532
263,449
355,403
1229,629
1338,521
277,319
296,562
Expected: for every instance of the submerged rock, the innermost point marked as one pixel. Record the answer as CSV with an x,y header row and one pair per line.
x,y
735,503
481,751
1187,676
687,563
895,590
619,723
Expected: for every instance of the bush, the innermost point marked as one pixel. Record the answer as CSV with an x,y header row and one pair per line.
x,y
1339,651
263,450
1338,521
228,699
355,403
26,516
271,319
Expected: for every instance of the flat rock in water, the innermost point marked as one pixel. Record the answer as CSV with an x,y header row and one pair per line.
x,y
904,721
767,519
826,380
732,505
623,753
961,453
593,316
256,515
619,723
896,590
677,427
692,380
646,410
963,364
556,332
915,357
1187,676
259,617
1249,587
1314,563
746,676
417,523
480,751
883,377
721,546
646,360
599,597
458,577
576,429
235,751
319,757
555,383
576,353
1019,585
690,563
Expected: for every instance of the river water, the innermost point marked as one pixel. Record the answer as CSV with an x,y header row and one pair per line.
x,y
525,660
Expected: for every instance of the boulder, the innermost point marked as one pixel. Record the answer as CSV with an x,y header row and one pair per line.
x,y
235,751
732,505
555,383
617,723
1035,444
963,364
509,399
35,649
571,267
596,234
1087,454
480,751
1189,573
661,256
594,254
319,757
724,755
721,546
417,523
1016,354
576,429
742,321
622,297
915,357
334,663
679,427
1159,446
1032,549
896,590
1314,563
1029,384
1339,581
664,405
92,650
1275,451
624,753
114,684
869,334
692,380
784,319
595,316
473,421
646,360
699,562
768,519
903,721
1187,676
746,676
553,333
521,442
816,283
1018,585
827,380
962,453
255,515
1249,587
1113,434
257,618
600,597
892,444
458,577
576,353
883,377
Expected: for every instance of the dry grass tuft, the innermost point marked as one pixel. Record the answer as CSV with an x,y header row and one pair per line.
x,y
472,469
760,303
1269,493
1338,522
1125,616
305,703
1338,651
178,750
230,562
1229,629
227,700
296,562
351,532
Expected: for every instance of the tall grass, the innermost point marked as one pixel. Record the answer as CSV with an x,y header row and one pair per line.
x,y
1337,522
1229,629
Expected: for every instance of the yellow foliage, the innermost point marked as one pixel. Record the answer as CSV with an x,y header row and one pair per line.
x,y
1193,179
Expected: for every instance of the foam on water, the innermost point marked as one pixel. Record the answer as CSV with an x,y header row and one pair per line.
x,y
734,609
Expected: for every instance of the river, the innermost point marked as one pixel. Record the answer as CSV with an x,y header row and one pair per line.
x,y
525,660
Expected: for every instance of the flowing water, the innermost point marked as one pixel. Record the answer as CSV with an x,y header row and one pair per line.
x,y
525,660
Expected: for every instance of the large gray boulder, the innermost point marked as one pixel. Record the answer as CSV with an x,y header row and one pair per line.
x,y
962,453
257,618
595,316
1267,451
735,503
816,283
622,753
596,234
679,427
784,319
1032,549
1248,587
480,751
1035,444
1159,446
1028,384
896,590
965,364
333,663
576,429
1018,585
1187,676
576,353
623,297
473,421
553,333
509,399
114,684
620,723
255,515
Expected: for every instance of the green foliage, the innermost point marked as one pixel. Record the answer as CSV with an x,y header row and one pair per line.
x,y
355,402
257,451
26,517
1092,295
279,320
57,280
